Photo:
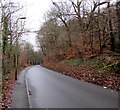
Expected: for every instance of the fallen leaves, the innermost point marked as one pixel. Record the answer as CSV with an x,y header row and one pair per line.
x,y
7,91
87,74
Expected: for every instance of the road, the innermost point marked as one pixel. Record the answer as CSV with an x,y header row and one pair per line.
x,y
49,89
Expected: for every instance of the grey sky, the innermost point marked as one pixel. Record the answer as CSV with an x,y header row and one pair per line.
x,y
34,11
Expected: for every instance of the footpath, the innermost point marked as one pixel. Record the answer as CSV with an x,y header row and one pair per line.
x,y
20,98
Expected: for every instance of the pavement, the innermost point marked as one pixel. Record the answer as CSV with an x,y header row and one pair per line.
x,y
20,97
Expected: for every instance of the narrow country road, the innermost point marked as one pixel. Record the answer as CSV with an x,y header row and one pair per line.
x,y
49,89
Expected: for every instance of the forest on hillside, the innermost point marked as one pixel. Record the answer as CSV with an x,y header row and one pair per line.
x,y
81,39
78,38
79,29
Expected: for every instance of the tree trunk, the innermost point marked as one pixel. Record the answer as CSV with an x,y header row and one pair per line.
x,y
118,17
99,34
112,39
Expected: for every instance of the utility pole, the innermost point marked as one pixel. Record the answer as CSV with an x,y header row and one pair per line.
x,y
16,50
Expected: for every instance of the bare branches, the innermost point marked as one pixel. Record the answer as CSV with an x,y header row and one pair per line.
x,y
9,35
85,25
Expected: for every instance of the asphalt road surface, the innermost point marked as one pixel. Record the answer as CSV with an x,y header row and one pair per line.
x,y
49,89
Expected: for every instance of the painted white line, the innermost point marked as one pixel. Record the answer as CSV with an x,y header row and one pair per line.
x,y
27,89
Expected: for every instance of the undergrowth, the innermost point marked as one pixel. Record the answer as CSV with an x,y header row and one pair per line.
x,y
100,70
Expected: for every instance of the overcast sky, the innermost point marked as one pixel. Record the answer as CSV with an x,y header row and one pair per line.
x,y
34,11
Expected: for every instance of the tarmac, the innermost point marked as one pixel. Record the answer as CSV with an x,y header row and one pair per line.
x,y
21,95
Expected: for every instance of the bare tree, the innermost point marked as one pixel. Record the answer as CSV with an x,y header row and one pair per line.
x,y
9,9
118,17
112,38
61,12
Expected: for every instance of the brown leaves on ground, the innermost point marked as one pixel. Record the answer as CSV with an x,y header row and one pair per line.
x,y
7,91
8,86
87,74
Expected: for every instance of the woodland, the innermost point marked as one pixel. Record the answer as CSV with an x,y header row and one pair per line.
x,y
82,40
79,38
